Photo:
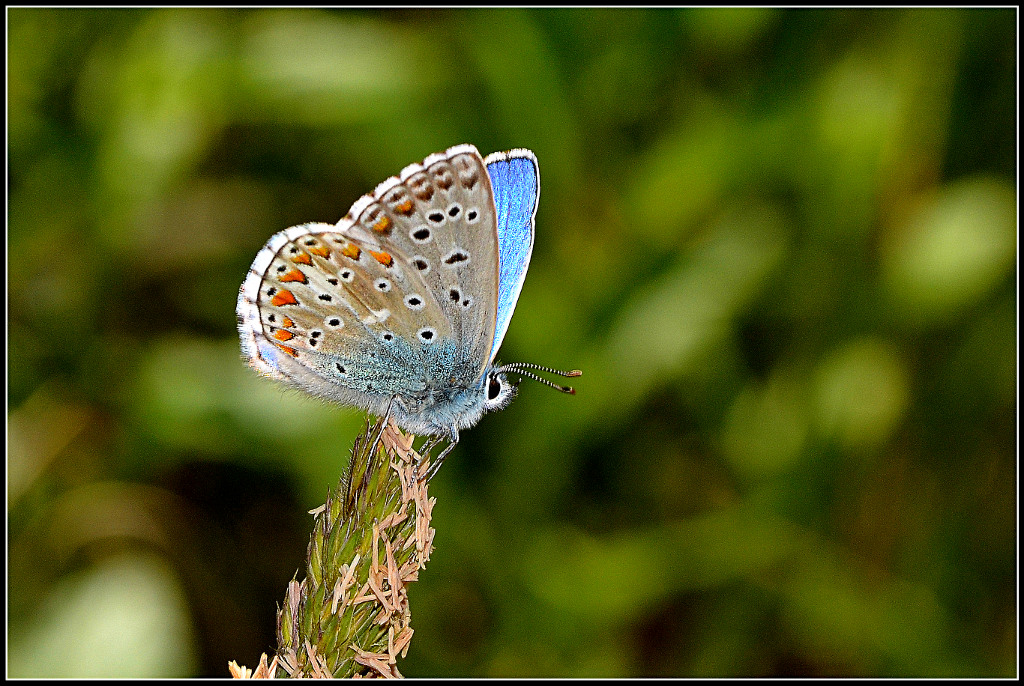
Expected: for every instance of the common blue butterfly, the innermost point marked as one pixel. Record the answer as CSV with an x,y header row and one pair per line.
x,y
401,306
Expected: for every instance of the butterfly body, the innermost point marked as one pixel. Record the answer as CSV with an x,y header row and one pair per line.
x,y
401,306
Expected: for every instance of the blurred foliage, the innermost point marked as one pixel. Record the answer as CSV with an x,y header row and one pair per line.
x,y
781,244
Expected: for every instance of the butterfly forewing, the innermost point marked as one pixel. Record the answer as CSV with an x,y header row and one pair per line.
x,y
440,215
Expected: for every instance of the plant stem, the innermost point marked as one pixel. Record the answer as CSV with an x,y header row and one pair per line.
x,y
350,616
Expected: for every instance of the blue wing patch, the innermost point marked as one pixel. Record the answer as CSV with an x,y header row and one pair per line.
x,y
515,179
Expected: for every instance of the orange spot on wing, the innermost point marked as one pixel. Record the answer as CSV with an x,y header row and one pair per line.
x,y
321,250
351,250
290,351
404,207
283,298
383,225
383,257
287,322
283,335
294,275
302,258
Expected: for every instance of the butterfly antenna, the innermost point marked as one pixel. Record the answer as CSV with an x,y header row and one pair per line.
x,y
528,365
521,367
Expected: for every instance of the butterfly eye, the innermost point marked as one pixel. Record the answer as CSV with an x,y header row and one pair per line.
x,y
493,388
498,393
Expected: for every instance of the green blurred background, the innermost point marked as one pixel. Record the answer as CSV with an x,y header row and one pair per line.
x,y
780,244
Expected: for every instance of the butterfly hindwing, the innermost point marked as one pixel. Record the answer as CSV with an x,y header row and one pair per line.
x,y
515,179
332,314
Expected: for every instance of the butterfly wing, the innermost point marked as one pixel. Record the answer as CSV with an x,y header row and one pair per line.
x,y
324,316
515,178
450,236
394,300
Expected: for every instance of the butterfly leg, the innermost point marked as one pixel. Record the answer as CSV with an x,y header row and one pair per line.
x,y
453,440
429,445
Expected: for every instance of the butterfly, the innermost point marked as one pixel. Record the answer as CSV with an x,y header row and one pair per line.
x,y
400,308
